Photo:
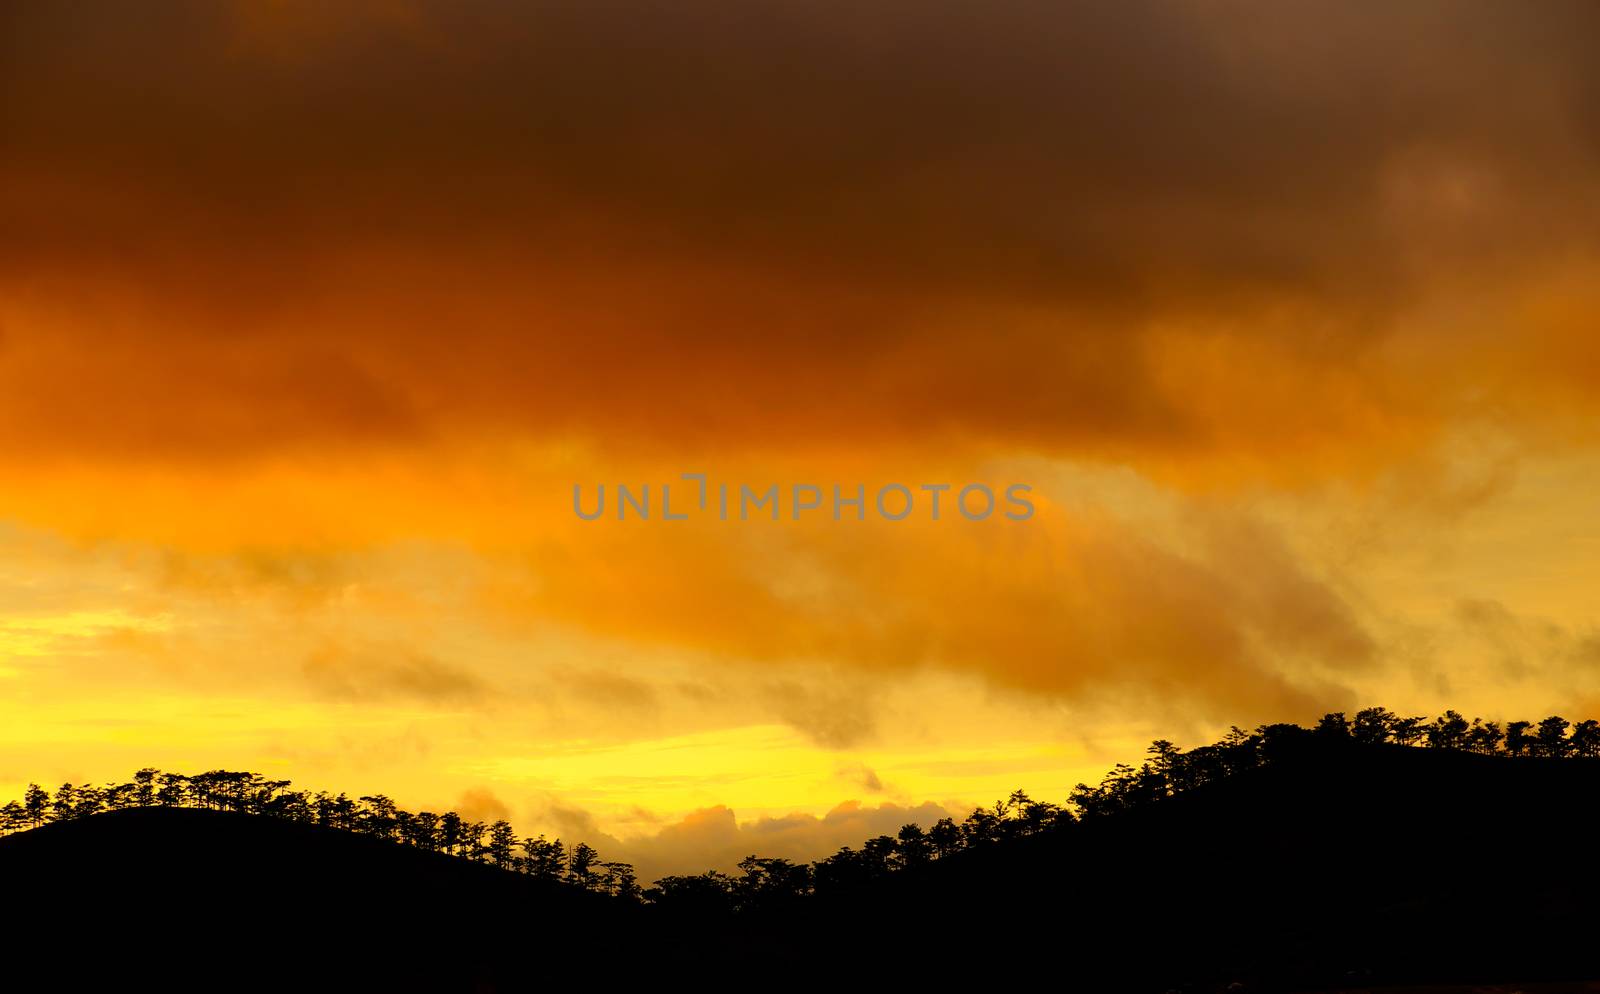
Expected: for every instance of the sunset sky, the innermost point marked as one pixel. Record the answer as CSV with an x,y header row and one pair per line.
x,y
312,315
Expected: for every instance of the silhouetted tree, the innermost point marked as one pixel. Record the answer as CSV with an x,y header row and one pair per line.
x,y
173,790
1166,762
503,844
619,881
13,818
843,872
545,859
1039,815
1334,724
915,846
1585,739
1484,737
1201,765
450,832
424,831
377,816
117,796
35,804
945,837
144,787
1091,802
61,807
1018,800
1517,737
1239,750
1373,726
1408,731
1448,731
87,800
1550,740
879,855
580,863
702,896
768,884
981,827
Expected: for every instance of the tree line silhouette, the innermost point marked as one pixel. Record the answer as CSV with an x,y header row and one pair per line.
x,y
376,816
765,884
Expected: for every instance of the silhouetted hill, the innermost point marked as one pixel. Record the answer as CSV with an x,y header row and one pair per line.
x,y
231,899
1335,865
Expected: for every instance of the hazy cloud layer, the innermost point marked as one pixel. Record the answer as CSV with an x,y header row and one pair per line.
x,y
377,674
1068,606
714,838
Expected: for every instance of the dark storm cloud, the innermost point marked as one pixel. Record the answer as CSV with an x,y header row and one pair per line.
x,y
279,224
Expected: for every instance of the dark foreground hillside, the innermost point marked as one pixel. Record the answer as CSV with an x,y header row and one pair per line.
x,y
1339,865
1336,866
217,900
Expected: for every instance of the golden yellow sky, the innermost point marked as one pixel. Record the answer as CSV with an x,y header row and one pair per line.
x,y
310,321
